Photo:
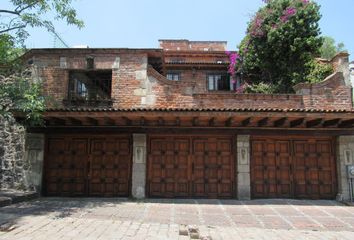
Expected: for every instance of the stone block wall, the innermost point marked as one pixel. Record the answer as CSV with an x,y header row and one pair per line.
x,y
345,157
21,157
139,166
243,167
12,152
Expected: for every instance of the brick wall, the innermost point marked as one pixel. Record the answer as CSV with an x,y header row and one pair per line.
x,y
136,84
185,45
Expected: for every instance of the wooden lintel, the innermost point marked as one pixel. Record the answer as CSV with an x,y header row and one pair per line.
x,y
109,121
229,122
245,122
346,123
92,121
142,121
195,121
332,122
127,121
263,122
314,122
74,121
161,121
297,122
178,121
56,121
280,122
212,122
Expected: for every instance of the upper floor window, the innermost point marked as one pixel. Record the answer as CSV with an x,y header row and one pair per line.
x,y
220,82
173,76
90,85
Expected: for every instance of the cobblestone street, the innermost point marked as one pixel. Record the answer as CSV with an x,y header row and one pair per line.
x,y
63,218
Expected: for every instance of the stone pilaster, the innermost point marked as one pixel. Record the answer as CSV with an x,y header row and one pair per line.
x,y
34,155
139,166
243,167
345,157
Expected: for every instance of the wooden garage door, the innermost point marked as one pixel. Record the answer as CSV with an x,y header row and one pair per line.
x,y
295,168
87,166
191,167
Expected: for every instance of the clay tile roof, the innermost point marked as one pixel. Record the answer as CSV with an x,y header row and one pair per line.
x,y
83,109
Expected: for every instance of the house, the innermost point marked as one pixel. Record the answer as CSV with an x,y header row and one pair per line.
x,y
167,122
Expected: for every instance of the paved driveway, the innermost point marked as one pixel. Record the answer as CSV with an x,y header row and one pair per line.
x,y
65,218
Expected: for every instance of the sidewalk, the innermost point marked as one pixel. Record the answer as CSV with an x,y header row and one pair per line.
x,y
8,197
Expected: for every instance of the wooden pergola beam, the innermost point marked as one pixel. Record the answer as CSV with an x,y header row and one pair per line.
x,y
263,122
346,123
212,122
195,121
331,122
297,122
229,122
280,122
245,122
314,122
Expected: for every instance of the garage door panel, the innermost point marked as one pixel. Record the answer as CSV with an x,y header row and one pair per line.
x,y
87,166
305,168
200,164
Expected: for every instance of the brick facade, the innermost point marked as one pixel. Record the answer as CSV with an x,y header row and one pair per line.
x,y
135,83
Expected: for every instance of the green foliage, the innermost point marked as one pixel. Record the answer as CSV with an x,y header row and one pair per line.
x,y
281,39
34,13
317,71
261,87
329,48
20,93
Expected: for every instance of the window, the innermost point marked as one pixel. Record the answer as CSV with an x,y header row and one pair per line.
x,y
90,85
173,76
220,82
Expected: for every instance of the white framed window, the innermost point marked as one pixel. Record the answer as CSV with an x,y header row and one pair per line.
x,y
173,76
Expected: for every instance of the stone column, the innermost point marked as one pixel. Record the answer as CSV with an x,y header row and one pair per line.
x,y
345,157
34,155
243,167
139,166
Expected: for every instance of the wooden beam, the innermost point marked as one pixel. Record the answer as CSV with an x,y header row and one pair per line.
x,y
346,123
74,121
195,121
314,122
56,121
212,122
297,122
332,122
161,121
245,122
109,121
178,121
92,121
229,122
127,121
142,121
280,122
263,122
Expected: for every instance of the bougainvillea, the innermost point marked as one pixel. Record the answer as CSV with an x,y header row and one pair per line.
x,y
281,38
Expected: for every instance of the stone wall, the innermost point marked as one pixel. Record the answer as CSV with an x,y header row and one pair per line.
x,y
243,167
21,157
345,157
12,152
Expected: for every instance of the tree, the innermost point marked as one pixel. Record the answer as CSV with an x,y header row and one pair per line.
x,y
34,13
19,91
281,38
329,48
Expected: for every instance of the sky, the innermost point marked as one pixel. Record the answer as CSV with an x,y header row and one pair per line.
x,y
140,23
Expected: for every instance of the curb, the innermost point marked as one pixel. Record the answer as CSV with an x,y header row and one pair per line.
x,y
8,198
